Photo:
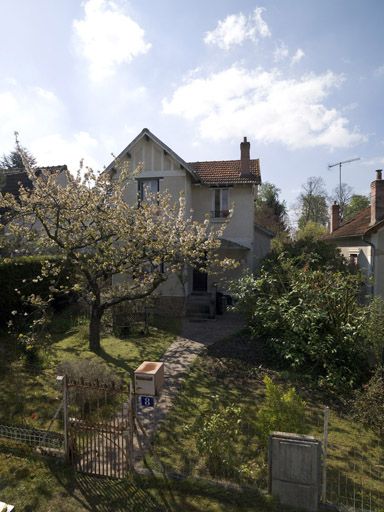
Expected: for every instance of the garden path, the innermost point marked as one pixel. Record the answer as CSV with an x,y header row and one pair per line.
x,y
179,357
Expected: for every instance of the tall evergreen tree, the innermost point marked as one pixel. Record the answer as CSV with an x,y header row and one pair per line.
x,y
270,212
14,161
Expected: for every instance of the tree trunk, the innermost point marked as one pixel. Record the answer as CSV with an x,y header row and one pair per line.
x,y
95,327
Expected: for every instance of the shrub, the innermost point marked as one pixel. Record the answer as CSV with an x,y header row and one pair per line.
x,y
90,400
20,278
215,439
282,410
374,328
307,253
368,405
311,321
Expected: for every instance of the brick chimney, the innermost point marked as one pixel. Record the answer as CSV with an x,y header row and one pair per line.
x,y
244,157
335,217
377,198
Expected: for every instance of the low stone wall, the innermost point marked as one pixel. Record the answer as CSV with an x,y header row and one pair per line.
x,y
128,313
169,306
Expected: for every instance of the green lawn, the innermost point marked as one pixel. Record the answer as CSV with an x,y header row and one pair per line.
x,y
28,392
36,484
232,373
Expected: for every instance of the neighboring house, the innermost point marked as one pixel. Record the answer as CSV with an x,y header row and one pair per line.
x,y
11,179
361,239
212,188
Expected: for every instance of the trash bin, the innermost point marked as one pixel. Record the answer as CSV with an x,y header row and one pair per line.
x,y
221,303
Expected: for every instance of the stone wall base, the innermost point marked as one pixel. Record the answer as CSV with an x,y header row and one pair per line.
x,y
169,306
128,313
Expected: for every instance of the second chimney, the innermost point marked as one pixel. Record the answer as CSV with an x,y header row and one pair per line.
x,y
377,198
335,217
244,157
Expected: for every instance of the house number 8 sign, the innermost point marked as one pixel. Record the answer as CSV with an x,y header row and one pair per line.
x,y
147,401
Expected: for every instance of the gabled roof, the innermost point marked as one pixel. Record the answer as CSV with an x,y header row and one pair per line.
x,y
14,177
358,226
145,133
217,172
223,172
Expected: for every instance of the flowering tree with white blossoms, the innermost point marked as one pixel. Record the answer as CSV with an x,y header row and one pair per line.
x,y
86,220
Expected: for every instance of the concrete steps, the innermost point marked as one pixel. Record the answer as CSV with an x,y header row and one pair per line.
x,y
200,307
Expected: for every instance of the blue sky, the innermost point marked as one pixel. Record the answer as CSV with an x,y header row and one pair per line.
x,y
303,80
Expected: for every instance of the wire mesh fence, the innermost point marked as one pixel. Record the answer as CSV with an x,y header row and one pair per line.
x,y
355,467
212,432
29,395
33,436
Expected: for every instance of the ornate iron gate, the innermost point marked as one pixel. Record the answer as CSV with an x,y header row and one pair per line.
x,y
98,421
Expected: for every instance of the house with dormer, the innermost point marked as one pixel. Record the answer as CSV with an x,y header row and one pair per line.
x,y
212,188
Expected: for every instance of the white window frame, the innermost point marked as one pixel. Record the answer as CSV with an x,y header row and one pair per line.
x,y
222,213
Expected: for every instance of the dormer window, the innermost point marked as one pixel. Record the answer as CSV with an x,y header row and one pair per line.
x,y
220,203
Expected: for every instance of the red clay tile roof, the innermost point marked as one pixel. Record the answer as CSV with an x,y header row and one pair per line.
x,y
357,226
223,172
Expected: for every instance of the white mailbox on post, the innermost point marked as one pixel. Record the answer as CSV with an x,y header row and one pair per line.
x,y
149,378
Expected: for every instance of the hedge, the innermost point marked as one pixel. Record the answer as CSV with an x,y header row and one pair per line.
x,y
19,274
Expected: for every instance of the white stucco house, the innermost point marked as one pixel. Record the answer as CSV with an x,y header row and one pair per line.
x,y
361,239
213,188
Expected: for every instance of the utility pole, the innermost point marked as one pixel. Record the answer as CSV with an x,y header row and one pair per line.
x,y
340,164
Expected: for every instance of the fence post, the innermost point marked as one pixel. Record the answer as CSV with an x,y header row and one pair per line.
x,y
130,428
65,415
325,448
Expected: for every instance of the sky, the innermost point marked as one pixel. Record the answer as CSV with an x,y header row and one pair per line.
x,y
302,79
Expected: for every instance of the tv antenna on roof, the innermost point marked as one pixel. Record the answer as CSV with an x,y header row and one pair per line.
x,y
340,164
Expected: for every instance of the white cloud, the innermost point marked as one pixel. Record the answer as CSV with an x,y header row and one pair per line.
x,y
375,161
265,106
297,56
107,38
55,149
41,120
281,52
237,28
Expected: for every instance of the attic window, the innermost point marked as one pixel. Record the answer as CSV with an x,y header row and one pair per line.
x,y
148,187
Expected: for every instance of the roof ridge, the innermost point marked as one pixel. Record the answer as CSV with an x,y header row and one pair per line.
x,y
212,161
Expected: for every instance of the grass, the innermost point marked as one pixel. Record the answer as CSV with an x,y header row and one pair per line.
x,y
232,372
37,484
28,392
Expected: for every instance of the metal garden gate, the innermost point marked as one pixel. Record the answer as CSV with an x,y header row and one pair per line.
x,y
98,424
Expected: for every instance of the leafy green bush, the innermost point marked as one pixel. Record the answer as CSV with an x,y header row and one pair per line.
x,y
215,439
374,328
368,405
20,278
282,410
307,253
310,320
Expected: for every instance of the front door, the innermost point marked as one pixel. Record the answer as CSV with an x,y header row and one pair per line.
x,y
200,281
